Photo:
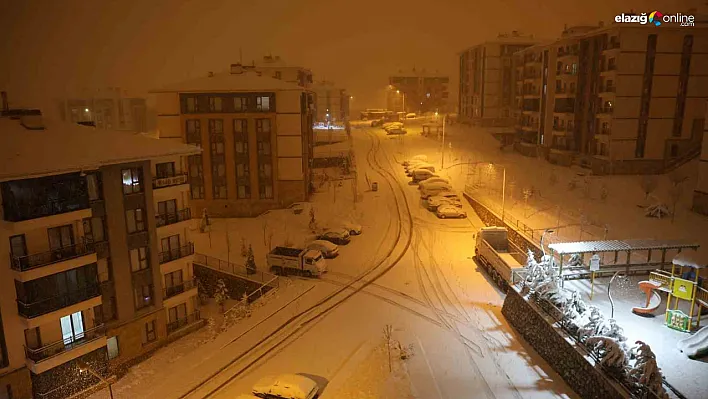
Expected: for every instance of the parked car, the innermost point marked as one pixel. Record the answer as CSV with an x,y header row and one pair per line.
x,y
421,158
396,131
328,249
411,115
392,125
421,174
413,165
377,122
450,211
425,166
444,198
432,180
353,228
428,192
336,236
286,386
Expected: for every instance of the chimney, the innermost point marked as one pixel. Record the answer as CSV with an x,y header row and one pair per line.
x,y
5,104
211,74
237,69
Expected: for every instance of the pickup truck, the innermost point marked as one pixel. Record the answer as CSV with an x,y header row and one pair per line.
x,y
492,252
305,262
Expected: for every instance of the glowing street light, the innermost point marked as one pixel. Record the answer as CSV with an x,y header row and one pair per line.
x,y
84,368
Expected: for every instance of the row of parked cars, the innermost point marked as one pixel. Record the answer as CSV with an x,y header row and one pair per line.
x,y
394,128
328,241
435,190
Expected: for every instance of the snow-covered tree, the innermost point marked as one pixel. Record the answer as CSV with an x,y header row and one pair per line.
x,y
313,222
250,261
592,320
205,222
202,292
610,352
657,210
221,293
645,372
648,183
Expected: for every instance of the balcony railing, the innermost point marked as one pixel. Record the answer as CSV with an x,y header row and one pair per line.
x,y
604,110
63,345
17,212
607,89
179,323
46,305
28,262
172,218
179,288
175,180
177,253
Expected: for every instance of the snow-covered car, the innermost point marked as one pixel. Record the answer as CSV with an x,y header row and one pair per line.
x,y
377,122
353,228
433,180
396,131
411,115
421,158
450,211
247,396
444,198
328,249
421,174
335,236
286,386
433,190
392,125
414,165
425,166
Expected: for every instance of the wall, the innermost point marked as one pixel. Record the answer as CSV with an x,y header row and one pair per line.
x,y
130,339
19,382
236,286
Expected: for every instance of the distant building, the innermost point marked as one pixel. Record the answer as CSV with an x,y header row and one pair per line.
x,y
418,91
619,99
700,193
108,109
331,102
96,264
257,136
486,95
275,67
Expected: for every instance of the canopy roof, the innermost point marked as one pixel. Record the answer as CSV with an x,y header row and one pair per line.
x,y
583,247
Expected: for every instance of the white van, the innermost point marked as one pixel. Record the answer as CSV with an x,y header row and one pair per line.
x,y
429,191
286,386
425,166
422,174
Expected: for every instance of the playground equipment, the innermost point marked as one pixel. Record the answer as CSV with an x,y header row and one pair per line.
x,y
653,298
680,288
696,345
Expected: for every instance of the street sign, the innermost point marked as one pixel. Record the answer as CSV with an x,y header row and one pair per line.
x,y
595,263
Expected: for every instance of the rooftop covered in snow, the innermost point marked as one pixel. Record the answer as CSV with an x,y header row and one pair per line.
x,y
36,147
247,81
584,247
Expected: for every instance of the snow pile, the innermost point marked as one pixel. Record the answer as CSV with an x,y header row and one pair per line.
x,y
635,367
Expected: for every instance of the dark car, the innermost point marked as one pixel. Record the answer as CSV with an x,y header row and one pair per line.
x,y
338,236
377,122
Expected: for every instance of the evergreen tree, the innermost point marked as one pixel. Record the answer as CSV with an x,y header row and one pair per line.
x,y
250,261
221,293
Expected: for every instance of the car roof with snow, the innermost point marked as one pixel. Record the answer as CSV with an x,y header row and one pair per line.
x,y
324,243
285,385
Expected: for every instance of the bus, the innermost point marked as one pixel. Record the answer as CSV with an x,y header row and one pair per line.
x,y
373,114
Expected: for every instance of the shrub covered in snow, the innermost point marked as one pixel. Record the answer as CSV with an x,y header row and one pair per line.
x,y
250,261
221,293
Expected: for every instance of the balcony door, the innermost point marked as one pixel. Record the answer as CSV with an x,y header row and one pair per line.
x,y
61,241
167,210
163,170
173,283
72,327
178,313
170,245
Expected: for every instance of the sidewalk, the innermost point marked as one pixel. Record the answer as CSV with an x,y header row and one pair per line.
x,y
177,367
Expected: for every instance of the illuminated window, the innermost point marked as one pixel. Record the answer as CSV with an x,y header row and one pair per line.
x,y
135,220
263,103
132,180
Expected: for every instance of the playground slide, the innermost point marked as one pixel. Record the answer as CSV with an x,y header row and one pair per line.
x,y
696,345
653,297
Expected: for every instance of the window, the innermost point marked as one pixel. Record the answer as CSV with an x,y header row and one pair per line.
x,y
240,104
135,220
559,67
173,283
163,170
265,171
265,190
150,332
194,131
195,167
94,229
18,245
240,138
277,75
263,147
143,296
132,180
611,64
167,208
139,259
216,126
113,348
197,191
93,182
262,125
192,105
215,104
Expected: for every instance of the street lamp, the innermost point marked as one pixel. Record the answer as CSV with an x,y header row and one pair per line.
x,y
83,367
403,95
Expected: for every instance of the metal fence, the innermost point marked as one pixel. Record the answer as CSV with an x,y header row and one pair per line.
x,y
236,269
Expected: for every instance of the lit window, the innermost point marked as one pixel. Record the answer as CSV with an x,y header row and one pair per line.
x,y
263,103
132,179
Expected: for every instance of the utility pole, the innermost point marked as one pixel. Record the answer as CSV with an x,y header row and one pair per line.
x,y
442,164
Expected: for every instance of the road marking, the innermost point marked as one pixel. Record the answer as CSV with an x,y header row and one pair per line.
x,y
430,368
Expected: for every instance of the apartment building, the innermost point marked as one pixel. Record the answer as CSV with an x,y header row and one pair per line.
x,y
89,277
110,109
418,91
487,92
623,99
276,67
331,102
257,135
700,192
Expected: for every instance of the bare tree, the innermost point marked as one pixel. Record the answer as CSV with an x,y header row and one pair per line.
x,y
265,233
676,190
528,192
388,336
604,192
648,183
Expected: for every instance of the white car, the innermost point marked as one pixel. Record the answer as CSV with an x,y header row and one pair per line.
x,y
286,386
328,249
353,228
428,192
445,198
450,211
413,164
421,158
425,166
396,131
433,180
392,125
411,116
421,174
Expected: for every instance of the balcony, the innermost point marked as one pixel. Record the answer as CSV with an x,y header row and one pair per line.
x,y
53,349
179,288
43,306
172,218
177,253
185,321
608,89
29,262
604,111
171,181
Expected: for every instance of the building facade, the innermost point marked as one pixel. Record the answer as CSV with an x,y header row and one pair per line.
x,y
700,193
107,109
487,92
331,103
275,67
418,91
86,278
618,99
256,132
